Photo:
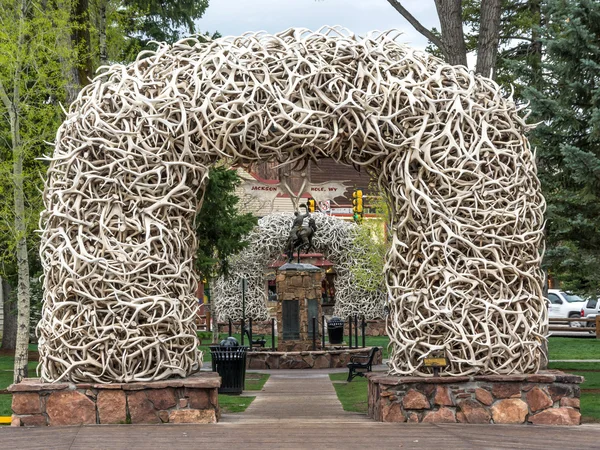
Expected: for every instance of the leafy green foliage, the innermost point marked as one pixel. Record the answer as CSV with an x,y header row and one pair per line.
x,y
371,240
32,75
133,24
219,226
568,140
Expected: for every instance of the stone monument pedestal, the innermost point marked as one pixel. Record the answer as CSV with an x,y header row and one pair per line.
x,y
546,398
298,301
178,400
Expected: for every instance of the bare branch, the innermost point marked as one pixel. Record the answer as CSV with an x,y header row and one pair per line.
x,y
416,24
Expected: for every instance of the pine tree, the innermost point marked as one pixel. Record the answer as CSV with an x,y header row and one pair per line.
x,y
568,141
220,228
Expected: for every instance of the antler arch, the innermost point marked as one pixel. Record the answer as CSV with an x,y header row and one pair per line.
x,y
335,238
130,160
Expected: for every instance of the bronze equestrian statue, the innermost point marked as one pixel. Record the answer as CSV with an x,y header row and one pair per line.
x,y
300,236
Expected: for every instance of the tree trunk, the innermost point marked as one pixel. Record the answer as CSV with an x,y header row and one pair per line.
x,y
453,37
535,52
9,308
489,34
82,42
102,32
23,292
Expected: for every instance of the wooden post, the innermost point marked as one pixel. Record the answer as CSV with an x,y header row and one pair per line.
x,y
598,326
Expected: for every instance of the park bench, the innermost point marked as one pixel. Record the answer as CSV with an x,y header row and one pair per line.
x,y
260,342
365,366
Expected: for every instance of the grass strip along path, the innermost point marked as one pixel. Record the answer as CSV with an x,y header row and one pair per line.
x,y
239,403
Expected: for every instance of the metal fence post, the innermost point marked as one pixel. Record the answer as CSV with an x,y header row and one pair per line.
x,y
314,321
273,333
250,332
242,326
349,331
355,331
363,331
323,330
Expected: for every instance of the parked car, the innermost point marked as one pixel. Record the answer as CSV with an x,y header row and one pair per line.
x,y
565,305
591,310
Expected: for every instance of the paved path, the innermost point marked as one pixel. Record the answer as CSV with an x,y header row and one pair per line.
x,y
313,436
295,396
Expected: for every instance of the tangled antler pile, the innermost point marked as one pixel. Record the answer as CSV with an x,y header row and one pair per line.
x,y
131,158
336,239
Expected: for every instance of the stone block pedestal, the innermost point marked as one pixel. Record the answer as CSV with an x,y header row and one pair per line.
x,y
546,398
185,400
298,300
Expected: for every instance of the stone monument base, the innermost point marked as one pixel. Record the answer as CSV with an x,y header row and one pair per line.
x,y
184,400
546,398
322,359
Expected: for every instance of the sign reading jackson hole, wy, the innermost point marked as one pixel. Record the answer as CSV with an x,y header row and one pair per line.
x,y
320,192
132,158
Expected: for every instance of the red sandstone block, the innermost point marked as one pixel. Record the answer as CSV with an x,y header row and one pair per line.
x,y
141,410
509,411
484,396
26,403
442,415
112,406
570,401
162,398
70,408
506,390
192,416
392,412
36,420
538,399
198,398
474,412
415,400
557,416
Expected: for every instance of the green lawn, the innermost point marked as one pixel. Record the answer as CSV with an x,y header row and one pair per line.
x,y
353,395
237,403
234,403
590,394
6,379
255,381
573,348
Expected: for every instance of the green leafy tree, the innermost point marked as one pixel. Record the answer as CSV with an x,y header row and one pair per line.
x,y
372,244
30,86
568,141
220,227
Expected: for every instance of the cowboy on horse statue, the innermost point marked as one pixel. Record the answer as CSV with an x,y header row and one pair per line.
x,y
300,236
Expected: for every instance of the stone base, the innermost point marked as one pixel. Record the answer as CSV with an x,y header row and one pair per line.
x,y
546,398
306,360
298,346
184,400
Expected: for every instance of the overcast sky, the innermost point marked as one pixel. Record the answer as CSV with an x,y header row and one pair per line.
x,y
234,17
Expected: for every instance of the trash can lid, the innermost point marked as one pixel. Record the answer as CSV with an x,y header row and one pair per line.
x,y
229,342
335,321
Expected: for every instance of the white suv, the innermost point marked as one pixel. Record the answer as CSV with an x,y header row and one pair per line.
x,y
563,305
591,310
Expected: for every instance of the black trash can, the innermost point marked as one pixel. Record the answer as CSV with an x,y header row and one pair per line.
x,y
335,330
229,360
